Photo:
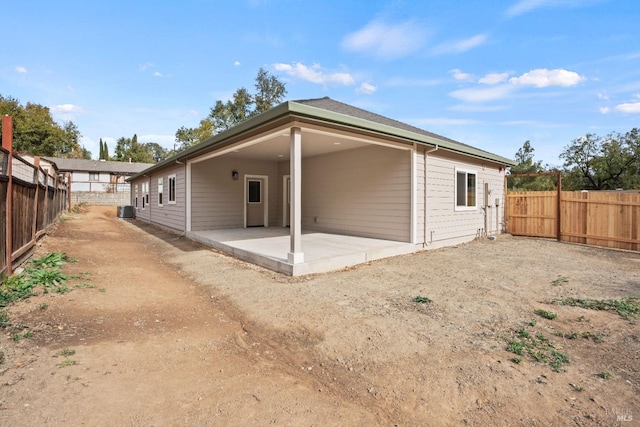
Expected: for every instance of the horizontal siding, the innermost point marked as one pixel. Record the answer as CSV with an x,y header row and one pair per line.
x,y
169,215
218,201
363,192
444,224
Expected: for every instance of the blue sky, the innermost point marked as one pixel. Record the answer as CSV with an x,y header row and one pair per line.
x,y
491,74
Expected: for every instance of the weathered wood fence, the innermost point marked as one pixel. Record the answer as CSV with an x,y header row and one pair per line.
x,y
31,200
599,218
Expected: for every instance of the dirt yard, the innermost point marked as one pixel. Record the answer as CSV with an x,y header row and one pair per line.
x,y
166,332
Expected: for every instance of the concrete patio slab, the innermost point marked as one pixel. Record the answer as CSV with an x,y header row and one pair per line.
x,y
268,247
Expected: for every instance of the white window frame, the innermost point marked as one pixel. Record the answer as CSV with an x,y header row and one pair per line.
x,y
172,179
144,198
160,191
135,193
94,176
466,172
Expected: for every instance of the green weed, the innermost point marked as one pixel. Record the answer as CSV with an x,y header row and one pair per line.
x,y
64,289
516,346
605,375
47,277
53,259
557,360
561,280
627,307
546,314
67,362
421,299
4,320
67,352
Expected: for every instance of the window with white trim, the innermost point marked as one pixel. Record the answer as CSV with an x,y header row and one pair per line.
x,y
172,189
466,189
135,193
144,198
160,190
94,176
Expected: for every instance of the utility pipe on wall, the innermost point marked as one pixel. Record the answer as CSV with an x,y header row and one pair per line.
x,y
424,231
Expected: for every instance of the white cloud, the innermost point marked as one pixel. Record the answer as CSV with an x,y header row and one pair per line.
x,y
387,41
525,6
366,88
605,110
21,70
482,94
146,65
67,111
157,74
236,63
494,78
460,46
460,76
544,78
315,74
603,96
67,108
629,108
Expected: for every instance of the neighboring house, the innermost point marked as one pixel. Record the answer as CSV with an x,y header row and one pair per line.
x,y
98,181
329,168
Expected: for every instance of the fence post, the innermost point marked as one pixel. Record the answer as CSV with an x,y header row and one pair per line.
x,y
68,191
7,144
559,219
36,179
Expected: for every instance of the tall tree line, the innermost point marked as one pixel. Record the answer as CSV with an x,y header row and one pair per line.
x,y
269,92
591,162
36,132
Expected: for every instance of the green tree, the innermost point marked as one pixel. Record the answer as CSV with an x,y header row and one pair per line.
x,y
269,92
36,132
157,151
128,149
223,115
594,162
527,165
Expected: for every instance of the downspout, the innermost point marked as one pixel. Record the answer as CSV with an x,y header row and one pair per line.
x,y
424,237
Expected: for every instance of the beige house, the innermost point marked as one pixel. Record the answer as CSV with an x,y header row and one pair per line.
x,y
316,185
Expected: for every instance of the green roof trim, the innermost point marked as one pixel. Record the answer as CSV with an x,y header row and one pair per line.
x,y
329,111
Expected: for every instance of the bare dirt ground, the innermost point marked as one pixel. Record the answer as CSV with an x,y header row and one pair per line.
x,y
173,333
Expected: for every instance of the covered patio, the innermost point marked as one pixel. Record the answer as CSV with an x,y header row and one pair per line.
x,y
269,248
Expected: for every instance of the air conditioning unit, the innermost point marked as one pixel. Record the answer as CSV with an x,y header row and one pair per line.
x,y
125,212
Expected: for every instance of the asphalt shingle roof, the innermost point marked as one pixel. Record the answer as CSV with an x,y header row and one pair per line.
x,y
329,104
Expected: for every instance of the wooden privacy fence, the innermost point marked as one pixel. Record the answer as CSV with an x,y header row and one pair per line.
x,y
31,200
599,218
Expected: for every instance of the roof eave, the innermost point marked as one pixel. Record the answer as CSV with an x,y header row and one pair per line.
x,y
294,109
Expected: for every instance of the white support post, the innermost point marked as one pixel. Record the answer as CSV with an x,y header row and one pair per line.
x,y
296,256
